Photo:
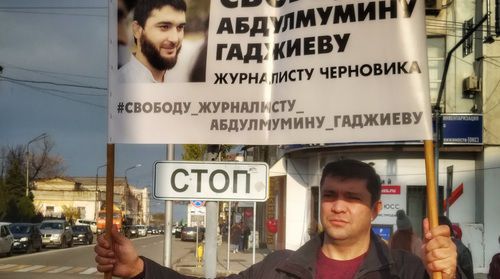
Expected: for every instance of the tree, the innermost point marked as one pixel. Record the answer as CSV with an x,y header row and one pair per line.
x,y
70,213
198,152
15,182
194,152
42,163
14,205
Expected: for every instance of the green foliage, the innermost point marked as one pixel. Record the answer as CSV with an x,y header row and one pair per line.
x,y
15,182
194,152
71,213
14,205
19,210
26,209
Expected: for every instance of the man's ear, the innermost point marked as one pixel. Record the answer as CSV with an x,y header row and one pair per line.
x,y
377,207
137,30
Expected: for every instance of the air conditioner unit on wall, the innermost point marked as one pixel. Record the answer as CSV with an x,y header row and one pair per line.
x,y
433,7
471,86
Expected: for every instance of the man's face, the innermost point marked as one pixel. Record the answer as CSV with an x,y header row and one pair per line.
x,y
161,38
346,213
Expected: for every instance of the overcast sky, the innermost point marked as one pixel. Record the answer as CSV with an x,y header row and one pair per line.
x,y
64,43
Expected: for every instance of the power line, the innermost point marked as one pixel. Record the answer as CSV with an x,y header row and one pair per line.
x,y
62,91
49,13
57,75
50,72
55,83
52,8
47,91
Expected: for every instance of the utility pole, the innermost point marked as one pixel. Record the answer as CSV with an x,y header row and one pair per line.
x,y
97,190
212,213
42,136
125,192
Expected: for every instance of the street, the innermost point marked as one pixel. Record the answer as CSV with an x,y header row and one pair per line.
x,y
78,261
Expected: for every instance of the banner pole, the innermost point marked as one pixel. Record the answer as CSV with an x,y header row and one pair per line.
x,y
432,212
110,179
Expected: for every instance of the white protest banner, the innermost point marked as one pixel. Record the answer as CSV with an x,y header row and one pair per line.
x,y
290,72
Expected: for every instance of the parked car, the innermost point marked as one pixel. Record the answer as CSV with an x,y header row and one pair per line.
x,y
141,230
189,233
82,234
130,231
6,239
177,231
56,233
27,237
92,224
149,230
153,230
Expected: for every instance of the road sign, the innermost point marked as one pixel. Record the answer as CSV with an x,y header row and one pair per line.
x,y
211,181
198,203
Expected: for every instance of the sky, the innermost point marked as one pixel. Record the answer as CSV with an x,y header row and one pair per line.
x,y
64,42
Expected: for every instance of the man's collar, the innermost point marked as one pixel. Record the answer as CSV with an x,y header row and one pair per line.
x,y
139,64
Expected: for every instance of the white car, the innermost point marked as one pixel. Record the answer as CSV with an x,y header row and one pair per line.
x,y
6,239
141,230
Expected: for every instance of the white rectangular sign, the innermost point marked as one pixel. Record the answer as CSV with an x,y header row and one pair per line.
x,y
287,72
215,181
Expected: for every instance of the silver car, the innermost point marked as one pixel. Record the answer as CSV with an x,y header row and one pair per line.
x,y
6,239
56,233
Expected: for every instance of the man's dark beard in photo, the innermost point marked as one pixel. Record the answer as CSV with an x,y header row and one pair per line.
x,y
154,57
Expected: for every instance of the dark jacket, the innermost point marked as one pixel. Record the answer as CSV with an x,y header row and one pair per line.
x,y
464,258
379,263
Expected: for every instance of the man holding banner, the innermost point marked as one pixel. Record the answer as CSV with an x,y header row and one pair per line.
x,y
350,200
158,29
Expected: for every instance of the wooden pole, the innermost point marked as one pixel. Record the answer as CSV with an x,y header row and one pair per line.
x,y
432,212
110,185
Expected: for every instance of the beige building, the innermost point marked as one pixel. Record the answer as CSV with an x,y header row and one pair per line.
x,y
88,195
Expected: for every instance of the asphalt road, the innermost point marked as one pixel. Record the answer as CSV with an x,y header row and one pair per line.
x,y
78,261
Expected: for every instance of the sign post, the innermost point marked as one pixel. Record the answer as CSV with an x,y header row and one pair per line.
x,y
211,181
432,212
449,188
110,185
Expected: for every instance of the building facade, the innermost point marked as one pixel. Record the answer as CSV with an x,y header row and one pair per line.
x,y
87,195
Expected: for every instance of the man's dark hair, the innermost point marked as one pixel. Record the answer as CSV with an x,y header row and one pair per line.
x,y
144,8
348,168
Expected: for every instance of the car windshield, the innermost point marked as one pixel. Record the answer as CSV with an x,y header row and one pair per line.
x,y
79,228
20,228
51,226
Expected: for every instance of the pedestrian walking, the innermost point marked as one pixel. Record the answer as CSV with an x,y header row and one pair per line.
x,y
404,238
235,237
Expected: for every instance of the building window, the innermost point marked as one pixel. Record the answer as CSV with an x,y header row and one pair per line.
x,y
436,59
467,45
